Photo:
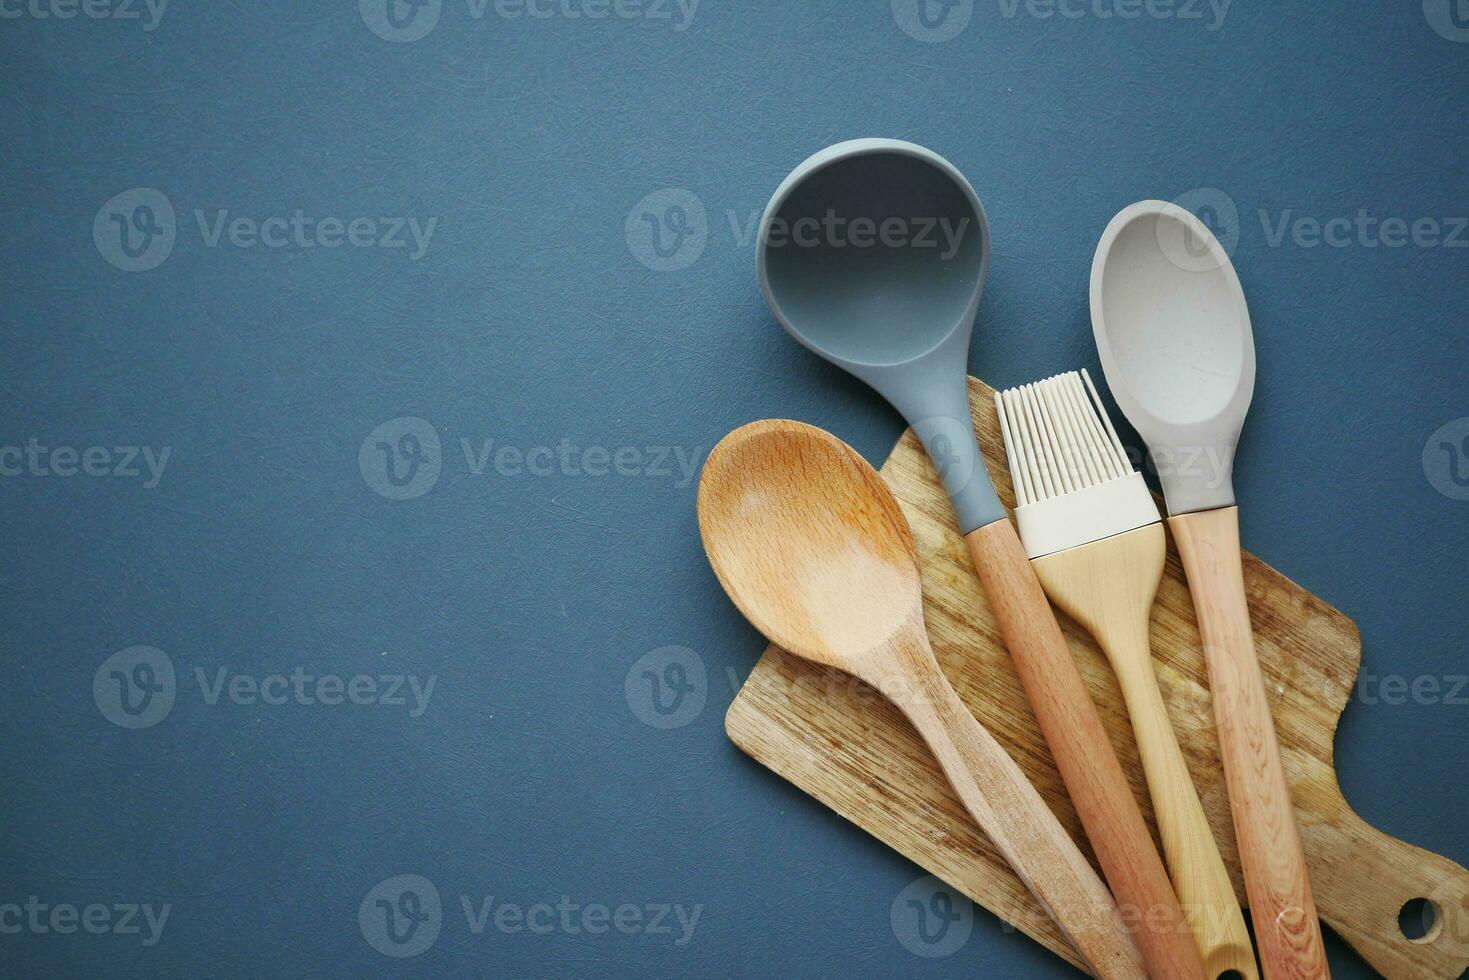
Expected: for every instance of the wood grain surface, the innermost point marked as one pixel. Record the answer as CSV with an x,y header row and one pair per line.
x,y
846,746
1108,587
1287,927
1077,739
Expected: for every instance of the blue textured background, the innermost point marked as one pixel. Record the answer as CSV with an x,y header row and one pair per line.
x,y
530,319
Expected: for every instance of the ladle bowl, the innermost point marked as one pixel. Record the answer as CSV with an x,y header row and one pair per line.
x,y
873,254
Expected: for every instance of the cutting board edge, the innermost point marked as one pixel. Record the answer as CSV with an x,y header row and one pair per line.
x,y
742,722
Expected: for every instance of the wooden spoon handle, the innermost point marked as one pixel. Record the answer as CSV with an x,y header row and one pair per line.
x,y
1093,776
1281,906
1009,809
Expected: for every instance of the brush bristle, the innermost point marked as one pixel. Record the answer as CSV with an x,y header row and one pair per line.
x,y
1058,438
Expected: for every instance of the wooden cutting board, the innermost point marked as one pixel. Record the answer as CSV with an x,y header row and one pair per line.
x,y
846,746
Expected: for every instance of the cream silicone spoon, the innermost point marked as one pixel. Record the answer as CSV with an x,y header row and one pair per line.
x,y
1175,341
810,544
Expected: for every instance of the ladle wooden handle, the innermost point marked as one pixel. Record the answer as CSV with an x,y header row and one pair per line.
x,y
1281,906
1093,776
1008,808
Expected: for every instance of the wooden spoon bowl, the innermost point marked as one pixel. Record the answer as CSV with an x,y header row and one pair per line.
x,y
810,544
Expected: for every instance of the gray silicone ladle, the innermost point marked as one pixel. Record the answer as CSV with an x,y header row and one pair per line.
x,y
895,309
873,254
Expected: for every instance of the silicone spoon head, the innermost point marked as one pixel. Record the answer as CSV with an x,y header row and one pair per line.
x,y
808,542
1174,337
873,254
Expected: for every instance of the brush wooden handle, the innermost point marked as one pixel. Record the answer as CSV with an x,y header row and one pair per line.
x,y
1008,808
1281,906
1108,587
1198,871
1079,746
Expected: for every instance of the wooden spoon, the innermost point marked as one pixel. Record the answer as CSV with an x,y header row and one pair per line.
x,y
810,544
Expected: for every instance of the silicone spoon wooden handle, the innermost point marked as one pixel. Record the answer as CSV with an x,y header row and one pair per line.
x,y
1281,906
1108,587
1007,807
1078,742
